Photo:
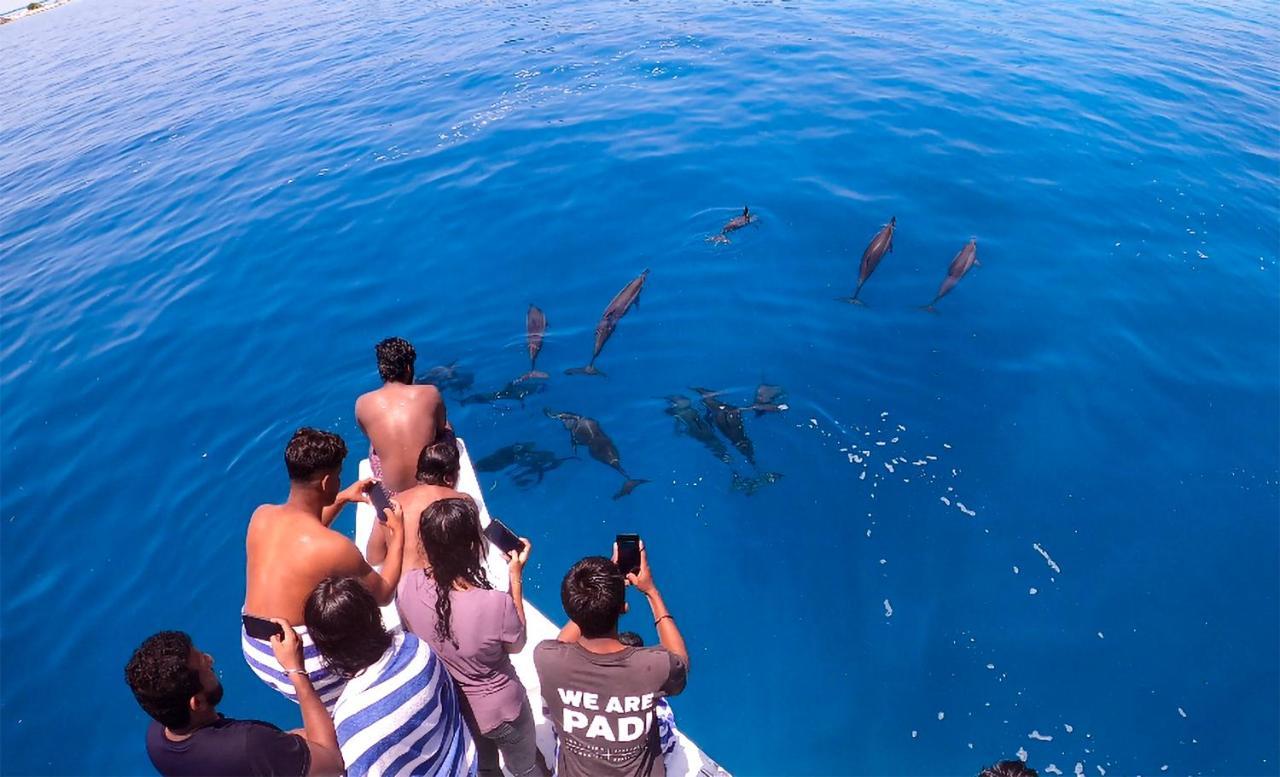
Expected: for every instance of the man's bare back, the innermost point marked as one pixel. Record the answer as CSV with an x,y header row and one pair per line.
x,y
289,552
413,501
399,420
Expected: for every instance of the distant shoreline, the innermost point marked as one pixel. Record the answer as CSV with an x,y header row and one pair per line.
x,y
24,10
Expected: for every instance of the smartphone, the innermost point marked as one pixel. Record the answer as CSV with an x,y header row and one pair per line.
x,y
505,539
629,553
261,628
380,499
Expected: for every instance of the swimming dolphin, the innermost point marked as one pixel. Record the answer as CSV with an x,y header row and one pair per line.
x,y
960,265
587,431
728,419
503,457
516,390
622,302
735,223
749,486
691,422
447,376
881,244
535,325
532,465
767,399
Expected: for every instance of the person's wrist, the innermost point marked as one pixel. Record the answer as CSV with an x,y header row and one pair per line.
x,y
651,592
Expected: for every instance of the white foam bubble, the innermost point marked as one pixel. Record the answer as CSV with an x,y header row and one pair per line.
x,y
914,733
1052,769
945,501
991,666
1015,569
1068,727
941,715
888,466
1052,565
1035,734
1022,754
1101,771
1100,635
1182,712
888,609
1033,591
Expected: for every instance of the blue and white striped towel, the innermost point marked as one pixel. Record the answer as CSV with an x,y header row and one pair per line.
x,y
401,717
260,658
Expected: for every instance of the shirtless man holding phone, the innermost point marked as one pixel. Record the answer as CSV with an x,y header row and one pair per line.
x,y
290,549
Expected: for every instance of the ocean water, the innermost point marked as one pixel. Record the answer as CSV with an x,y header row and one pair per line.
x,y
1044,519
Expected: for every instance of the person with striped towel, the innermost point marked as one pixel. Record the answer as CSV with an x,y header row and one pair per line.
x,y
398,713
289,548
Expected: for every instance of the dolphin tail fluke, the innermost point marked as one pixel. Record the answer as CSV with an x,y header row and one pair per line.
x,y
718,240
629,486
769,408
587,370
851,301
534,375
930,307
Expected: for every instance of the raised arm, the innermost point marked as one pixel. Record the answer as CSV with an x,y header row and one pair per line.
x,y
356,492
668,632
317,726
381,584
516,560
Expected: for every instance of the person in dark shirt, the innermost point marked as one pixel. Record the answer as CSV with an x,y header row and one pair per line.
x,y
175,684
602,695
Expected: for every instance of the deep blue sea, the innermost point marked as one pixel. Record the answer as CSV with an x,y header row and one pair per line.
x,y
1043,519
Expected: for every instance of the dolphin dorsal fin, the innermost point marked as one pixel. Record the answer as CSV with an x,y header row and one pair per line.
x,y
746,210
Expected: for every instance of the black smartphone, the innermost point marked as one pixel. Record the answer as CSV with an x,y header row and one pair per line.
x,y
505,539
261,628
629,553
380,499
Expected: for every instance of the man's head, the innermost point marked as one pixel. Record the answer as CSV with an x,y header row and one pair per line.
x,y
438,462
395,360
172,680
314,459
594,596
1009,769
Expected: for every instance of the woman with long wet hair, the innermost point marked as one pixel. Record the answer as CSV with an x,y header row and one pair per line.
x,y
424,730
473,628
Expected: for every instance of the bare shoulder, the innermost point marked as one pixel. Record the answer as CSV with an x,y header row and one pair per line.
x,y
425,392
338,552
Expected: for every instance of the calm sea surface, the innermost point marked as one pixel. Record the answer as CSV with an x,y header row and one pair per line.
x,y
1044,518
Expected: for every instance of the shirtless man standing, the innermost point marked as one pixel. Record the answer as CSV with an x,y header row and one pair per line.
x,y
290,549
399,418
437,478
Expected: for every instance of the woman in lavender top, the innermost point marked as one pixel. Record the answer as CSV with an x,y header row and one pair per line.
x,y
473,629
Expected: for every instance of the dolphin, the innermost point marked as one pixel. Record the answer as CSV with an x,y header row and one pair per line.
x,y
749,486
881,244
960,265
587,431
503,457
447,376
728,419
691,422
622,302
767,399
535,325
532,465
516,390
735,223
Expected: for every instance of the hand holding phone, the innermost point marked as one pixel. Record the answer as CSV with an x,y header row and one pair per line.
x,y
627,553
261,628
380,500
502,537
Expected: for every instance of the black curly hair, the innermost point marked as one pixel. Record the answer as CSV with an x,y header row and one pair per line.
x,y
1009,769
313,452
162,680
395,356
449,530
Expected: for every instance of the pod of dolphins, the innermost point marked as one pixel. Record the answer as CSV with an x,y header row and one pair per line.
x,y
717,416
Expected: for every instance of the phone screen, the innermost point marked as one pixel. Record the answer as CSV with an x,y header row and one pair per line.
x,y
381,501
628,553
505,539
260,628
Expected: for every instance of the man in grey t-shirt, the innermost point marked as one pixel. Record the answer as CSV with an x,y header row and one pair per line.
x,y
601,693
